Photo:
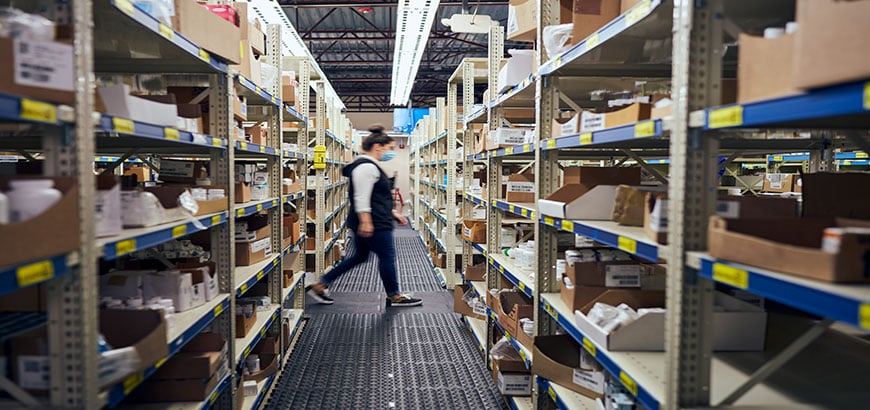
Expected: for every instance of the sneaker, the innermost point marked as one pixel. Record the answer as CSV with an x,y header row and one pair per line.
x,y
321,297
405,301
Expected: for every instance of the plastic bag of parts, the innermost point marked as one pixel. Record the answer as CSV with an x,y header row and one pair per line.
x,y
556,38
17,24
504,350
269,74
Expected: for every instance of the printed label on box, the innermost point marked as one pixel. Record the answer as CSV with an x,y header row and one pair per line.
x,y
591,122
728,209
570,127
775,180
478,214
622,276
512,25
479,308
521,187
514,383
589,380
265,243
659,216
34,372
44,64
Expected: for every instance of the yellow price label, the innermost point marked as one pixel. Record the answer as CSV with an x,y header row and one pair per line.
x,y
247,352
260,275
259,207
548,220
586,138
240,212
777,158
500,269
243,288
523,355
216,142
126,6
218,310
171,134
204,56
524,212
637,12
243,146
552,393
533,216
179,231
34,273
275,262
726,117
861,155
512,208
37,111
215,219
131,382
628,382
847,162
527,148
551,144
491,260
645,129
262,331
123,125
867,95
627,244
213,397
730,275
592,41
589,346
509,151
166,32
262,148
160,363
864,316
568,225
549,308
259,90
274,202
522,286
125,247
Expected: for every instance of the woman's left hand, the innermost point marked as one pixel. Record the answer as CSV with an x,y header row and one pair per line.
x,y
400,219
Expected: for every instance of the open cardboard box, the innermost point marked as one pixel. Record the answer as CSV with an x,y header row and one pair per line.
x,y
179,390
616,274
198,359
207,30
474,231
475,272
558,359
120,103
249,253
578,201
268,367
629,205
51,233
140,210
510,308
740,327
830,42
520,188
631,114
59,89
511,377
459,305
794,246
202,272
580,297
589,16
765,67
147,338
245,324
591,176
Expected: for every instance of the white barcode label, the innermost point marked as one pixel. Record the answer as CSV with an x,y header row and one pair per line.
x,y
43,64
479,308
622,276
589,380
775,180
512,25
521,187
261,244
659,216
570,127
591,122
728,209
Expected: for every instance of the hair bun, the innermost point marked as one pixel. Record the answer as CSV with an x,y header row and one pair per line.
x,y
376,129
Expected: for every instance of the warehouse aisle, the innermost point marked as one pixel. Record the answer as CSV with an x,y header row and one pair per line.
x,y
359,354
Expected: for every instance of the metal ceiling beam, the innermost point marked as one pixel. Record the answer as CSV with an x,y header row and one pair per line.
x,y
325,16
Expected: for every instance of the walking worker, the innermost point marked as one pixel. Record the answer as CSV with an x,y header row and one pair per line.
x,y
371,219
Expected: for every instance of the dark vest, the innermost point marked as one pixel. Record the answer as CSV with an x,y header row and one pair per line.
x,y
382,199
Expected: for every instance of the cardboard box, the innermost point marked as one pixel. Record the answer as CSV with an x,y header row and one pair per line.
x,y
122,285
511,376
765,68
268,367
242,193
147,339
509,137
830,41
842,194
55,231
202,272
459,305
120,103
475,273
565,126
258,134
590,121
249,253
629,204
240,108
794,246
184,390
474,231
152,206
250,28
249,66
522,21
173,285
577,201
615,274
510,308
269,344
592,176
778,182
184,172
591,15
738,326
626,5
521,188
26,74
288,88
143,174
108,206
198,359
207,30
517,68
558,359
244,324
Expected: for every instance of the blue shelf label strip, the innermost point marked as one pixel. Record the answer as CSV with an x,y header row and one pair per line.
x,y
123,247
28,274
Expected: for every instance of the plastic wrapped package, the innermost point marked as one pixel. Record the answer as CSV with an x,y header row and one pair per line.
x,y
556,38
17,24
269,74
504,350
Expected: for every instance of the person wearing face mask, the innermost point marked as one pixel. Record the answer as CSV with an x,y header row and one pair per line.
x,y
371,219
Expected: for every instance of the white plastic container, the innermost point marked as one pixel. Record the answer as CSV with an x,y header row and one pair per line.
x,y
30,198
4,209
508,237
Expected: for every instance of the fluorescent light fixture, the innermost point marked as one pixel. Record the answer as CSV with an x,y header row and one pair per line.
x,y
291,43
414,19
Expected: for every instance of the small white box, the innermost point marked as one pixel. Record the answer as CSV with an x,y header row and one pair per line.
x,y
170,285
516,69
575,201
515,384
34,372
251,388
260,187
108,211
122,285
509,136
120,103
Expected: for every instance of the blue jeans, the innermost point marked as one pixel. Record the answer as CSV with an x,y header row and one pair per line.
x,y
381,243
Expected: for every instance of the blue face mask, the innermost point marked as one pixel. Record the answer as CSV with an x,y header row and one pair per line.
x,y
388,156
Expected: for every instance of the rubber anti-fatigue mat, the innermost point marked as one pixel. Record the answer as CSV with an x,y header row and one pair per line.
x,y
397,360
413,266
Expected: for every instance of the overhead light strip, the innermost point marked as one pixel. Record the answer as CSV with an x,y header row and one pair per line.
x,y
414,19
